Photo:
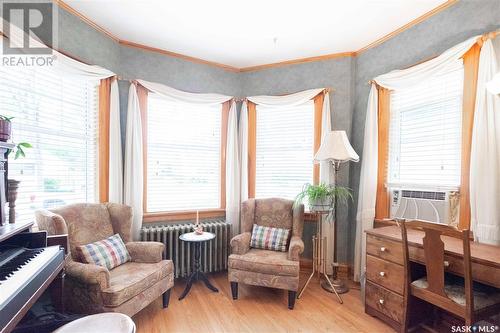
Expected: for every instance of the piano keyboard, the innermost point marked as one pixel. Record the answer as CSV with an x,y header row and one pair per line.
x,y
11,260
22,272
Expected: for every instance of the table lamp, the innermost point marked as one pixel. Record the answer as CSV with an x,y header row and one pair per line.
x,y
337,149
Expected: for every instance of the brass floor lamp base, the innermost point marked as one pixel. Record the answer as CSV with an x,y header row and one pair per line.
x,y
338,286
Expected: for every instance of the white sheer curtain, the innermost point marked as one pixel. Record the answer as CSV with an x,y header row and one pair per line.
x,y
485,154
367,184
396,79
243,136
325,176
183,96
133,180
233,171
399,79
298,98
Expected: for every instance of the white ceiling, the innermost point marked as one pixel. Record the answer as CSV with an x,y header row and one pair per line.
x,y
249,33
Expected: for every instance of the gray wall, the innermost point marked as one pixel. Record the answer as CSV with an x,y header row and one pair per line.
x,y
78,39
347,76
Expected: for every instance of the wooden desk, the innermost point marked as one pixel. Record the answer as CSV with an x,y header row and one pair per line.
x,y
385,274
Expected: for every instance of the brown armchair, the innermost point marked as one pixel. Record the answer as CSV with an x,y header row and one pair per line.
x,y
263,267
89,288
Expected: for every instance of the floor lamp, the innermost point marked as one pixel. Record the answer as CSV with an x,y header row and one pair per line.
x,y
337,149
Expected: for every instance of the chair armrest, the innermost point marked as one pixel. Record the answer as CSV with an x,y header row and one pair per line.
x,y
296,248
53,223
88,273
148,252
240,244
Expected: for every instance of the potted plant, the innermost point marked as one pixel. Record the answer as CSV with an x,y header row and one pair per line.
x,y
321,197
5,128
19,149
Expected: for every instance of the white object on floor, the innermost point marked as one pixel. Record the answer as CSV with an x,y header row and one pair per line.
x,y
102,322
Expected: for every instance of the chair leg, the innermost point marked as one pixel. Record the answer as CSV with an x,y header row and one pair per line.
x,y
234,289
292,295
166,298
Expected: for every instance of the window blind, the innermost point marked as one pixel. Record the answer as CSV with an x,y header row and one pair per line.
x,y
284,150
58,116
183,155
425,132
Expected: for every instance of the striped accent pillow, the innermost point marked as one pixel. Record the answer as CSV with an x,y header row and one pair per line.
x,y
268,238
108,253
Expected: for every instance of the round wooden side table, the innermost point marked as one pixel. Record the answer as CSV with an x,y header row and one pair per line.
x,y
197,274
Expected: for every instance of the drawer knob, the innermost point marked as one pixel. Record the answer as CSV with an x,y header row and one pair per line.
x,y
382,274
446,263
381,301
383,249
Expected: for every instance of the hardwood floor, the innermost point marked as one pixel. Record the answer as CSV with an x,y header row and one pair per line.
x,y
256,310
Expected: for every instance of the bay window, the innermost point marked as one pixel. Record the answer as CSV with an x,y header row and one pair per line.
x,y
58,116
184,163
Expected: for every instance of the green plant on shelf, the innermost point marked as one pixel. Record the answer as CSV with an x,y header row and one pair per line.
x,y
322,196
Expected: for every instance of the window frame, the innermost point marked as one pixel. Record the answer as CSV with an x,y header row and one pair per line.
x,y
178,215
252,140
382,205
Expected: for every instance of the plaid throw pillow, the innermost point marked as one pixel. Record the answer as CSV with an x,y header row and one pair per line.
x,y
108,253
268,238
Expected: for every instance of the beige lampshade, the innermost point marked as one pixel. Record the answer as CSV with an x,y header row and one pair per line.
x,y
336,148
494,85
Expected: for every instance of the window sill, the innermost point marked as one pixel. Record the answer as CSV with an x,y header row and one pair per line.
x,y
182,215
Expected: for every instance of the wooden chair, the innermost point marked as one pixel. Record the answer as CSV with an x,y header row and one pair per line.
x,y
459,296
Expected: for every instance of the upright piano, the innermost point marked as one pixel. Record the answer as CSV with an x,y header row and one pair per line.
x,y
27,267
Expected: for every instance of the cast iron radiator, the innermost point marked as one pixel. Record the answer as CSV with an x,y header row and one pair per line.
x,y
214,253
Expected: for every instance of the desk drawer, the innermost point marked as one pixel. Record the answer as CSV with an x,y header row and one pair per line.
x,y
385,273
384,249
384,301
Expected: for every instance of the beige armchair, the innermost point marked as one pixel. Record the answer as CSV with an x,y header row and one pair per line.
x,y
89,288
263,267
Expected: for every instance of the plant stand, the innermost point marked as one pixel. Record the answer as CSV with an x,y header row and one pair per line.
x,y
319,259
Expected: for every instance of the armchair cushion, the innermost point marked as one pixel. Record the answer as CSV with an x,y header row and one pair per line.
x,y
89,274
268,238
148,252
240,244
133,278
265,262
109,252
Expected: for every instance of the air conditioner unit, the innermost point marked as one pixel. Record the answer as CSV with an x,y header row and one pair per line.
x,y
434,206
